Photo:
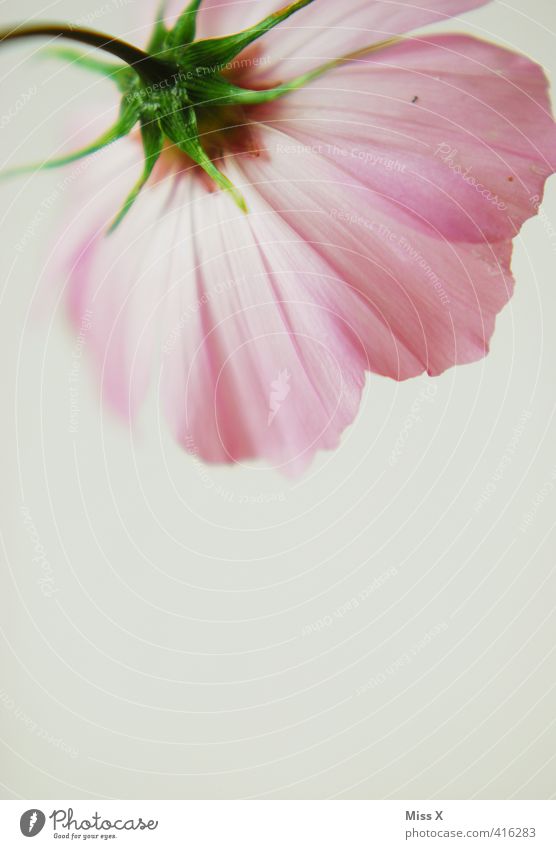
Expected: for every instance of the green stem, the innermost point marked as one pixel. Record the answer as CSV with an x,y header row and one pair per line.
x,y
149,69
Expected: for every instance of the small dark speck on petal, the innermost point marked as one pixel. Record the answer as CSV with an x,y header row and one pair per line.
x,y
415,99
510,179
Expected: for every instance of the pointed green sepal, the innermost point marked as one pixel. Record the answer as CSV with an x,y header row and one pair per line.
x,y
180,125
153,142
217,90
186,26
121,75
157,41
129,116
220,92
213,54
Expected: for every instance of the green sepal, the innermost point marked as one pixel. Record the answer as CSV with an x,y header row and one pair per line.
x,y
213,54
186,26
220,91
129,116
153,142
121,75
157,41
180,125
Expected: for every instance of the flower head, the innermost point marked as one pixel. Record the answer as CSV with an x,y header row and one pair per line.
x,y
320,196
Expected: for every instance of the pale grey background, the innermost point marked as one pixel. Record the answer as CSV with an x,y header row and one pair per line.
x,y
173,660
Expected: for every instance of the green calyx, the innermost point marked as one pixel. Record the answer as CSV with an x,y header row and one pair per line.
x,y
165,88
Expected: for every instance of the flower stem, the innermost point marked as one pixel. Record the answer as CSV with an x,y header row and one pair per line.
x,y
149,69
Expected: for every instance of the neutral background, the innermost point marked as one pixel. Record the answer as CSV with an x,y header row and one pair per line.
x,y
384,627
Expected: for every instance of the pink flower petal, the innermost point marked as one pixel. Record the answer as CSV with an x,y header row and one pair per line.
x,y
115,282
449,127
262,359
395,217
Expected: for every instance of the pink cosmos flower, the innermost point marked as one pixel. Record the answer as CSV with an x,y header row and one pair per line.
x,y
381,199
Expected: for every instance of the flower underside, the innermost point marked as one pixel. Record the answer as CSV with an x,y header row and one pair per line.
x,y
180,91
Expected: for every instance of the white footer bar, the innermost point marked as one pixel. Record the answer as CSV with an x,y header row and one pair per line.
x,y
279,824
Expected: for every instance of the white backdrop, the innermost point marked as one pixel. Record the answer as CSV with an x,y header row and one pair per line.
x,y
383,627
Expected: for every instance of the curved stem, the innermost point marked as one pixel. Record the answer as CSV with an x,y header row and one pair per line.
x,y
149,69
